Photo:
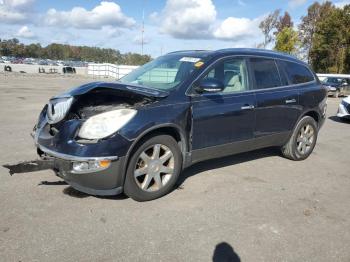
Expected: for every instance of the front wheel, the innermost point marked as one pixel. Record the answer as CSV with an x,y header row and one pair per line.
x,y
153,168
303,140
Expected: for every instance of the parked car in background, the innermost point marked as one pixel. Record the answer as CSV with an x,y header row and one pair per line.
x,y
136,135
337,86
344,108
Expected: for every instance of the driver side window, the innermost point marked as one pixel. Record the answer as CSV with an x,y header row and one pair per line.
x,y
232,73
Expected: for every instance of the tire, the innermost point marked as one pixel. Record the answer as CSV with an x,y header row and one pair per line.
x,y
145,179
301,144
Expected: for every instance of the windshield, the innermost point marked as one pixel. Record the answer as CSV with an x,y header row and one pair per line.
x,y
332,80
164,73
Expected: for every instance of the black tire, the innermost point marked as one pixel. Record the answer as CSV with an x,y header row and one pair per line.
x,y
131,187
290,149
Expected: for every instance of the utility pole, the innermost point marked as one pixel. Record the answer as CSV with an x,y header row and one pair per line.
x,y
143,27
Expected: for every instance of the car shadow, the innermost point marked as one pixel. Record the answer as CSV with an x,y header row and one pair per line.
x,y
226,161
225,252
70,191
339,120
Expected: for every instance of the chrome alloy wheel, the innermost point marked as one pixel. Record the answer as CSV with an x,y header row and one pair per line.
x,y
154,168
305,139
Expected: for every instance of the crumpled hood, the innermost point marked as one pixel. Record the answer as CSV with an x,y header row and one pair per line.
x,y
125,88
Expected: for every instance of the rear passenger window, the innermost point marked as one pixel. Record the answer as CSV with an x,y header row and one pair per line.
x,y
296,73
265,73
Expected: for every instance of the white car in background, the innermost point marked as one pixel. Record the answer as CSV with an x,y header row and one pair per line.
x,y
344,108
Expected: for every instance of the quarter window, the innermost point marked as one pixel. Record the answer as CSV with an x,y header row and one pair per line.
x,y
265,72
296,73
232,73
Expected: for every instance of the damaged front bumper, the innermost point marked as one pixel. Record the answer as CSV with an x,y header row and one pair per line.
x,y
95,168
92,167
94,180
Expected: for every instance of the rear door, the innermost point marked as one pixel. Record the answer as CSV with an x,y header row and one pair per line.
x,y
277,102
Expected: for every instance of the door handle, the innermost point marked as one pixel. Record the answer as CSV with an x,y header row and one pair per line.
x,y
247,107
290,101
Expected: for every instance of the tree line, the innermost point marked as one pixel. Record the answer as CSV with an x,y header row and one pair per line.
x,y
322,38
12,47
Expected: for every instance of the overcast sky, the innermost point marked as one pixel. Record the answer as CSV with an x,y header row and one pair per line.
x,y
169,24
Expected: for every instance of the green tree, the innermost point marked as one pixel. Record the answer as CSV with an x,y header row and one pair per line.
x,y
13,47
287,41
308,25
331,42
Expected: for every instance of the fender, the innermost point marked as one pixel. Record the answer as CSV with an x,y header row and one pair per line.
x,y
304,113
149,130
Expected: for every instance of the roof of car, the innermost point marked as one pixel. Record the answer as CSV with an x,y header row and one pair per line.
x,y
237,51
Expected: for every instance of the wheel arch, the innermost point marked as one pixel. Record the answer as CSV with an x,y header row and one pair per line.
x,y
168,129
312,113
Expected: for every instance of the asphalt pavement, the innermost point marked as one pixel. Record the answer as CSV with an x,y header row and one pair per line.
x,y
256,206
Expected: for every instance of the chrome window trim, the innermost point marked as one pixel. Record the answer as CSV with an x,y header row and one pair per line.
x,y
188,93
73,158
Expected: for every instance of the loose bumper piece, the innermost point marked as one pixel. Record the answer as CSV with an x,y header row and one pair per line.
x,y
30,166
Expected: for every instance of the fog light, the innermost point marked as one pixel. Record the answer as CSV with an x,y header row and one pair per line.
x,y
91,166
80,166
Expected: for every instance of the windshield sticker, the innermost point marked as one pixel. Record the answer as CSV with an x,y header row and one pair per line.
x,y
199,64
190,59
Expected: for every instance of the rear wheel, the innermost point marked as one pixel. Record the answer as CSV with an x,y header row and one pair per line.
x,y
303,140
153,168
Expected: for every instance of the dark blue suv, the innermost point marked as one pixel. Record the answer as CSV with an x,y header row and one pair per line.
x,y
137,134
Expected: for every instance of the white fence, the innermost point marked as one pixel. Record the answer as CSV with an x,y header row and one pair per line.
x,y
34,69
109,70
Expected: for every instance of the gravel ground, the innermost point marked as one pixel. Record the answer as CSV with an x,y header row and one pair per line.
x,y
255,206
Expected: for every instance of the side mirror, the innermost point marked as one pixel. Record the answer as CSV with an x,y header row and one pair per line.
x,y
344,84
210,85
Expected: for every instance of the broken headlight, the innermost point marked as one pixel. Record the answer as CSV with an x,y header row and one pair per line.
x,y
57,109
105,124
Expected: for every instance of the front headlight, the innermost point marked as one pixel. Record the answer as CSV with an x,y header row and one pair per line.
x,y
57,108
105,124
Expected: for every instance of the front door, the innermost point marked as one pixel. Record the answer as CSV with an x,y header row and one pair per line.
x,y
223,123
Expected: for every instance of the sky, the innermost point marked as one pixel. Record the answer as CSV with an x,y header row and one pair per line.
x,y
169,25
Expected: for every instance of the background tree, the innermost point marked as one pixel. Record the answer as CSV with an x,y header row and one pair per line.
x,y
13,47
307,27
268,25
287,41
330,48
284,22
346,35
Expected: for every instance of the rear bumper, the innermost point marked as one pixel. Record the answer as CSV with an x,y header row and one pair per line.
x,y
105,182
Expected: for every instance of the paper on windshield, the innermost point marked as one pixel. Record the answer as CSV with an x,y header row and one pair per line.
x,y
190,59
